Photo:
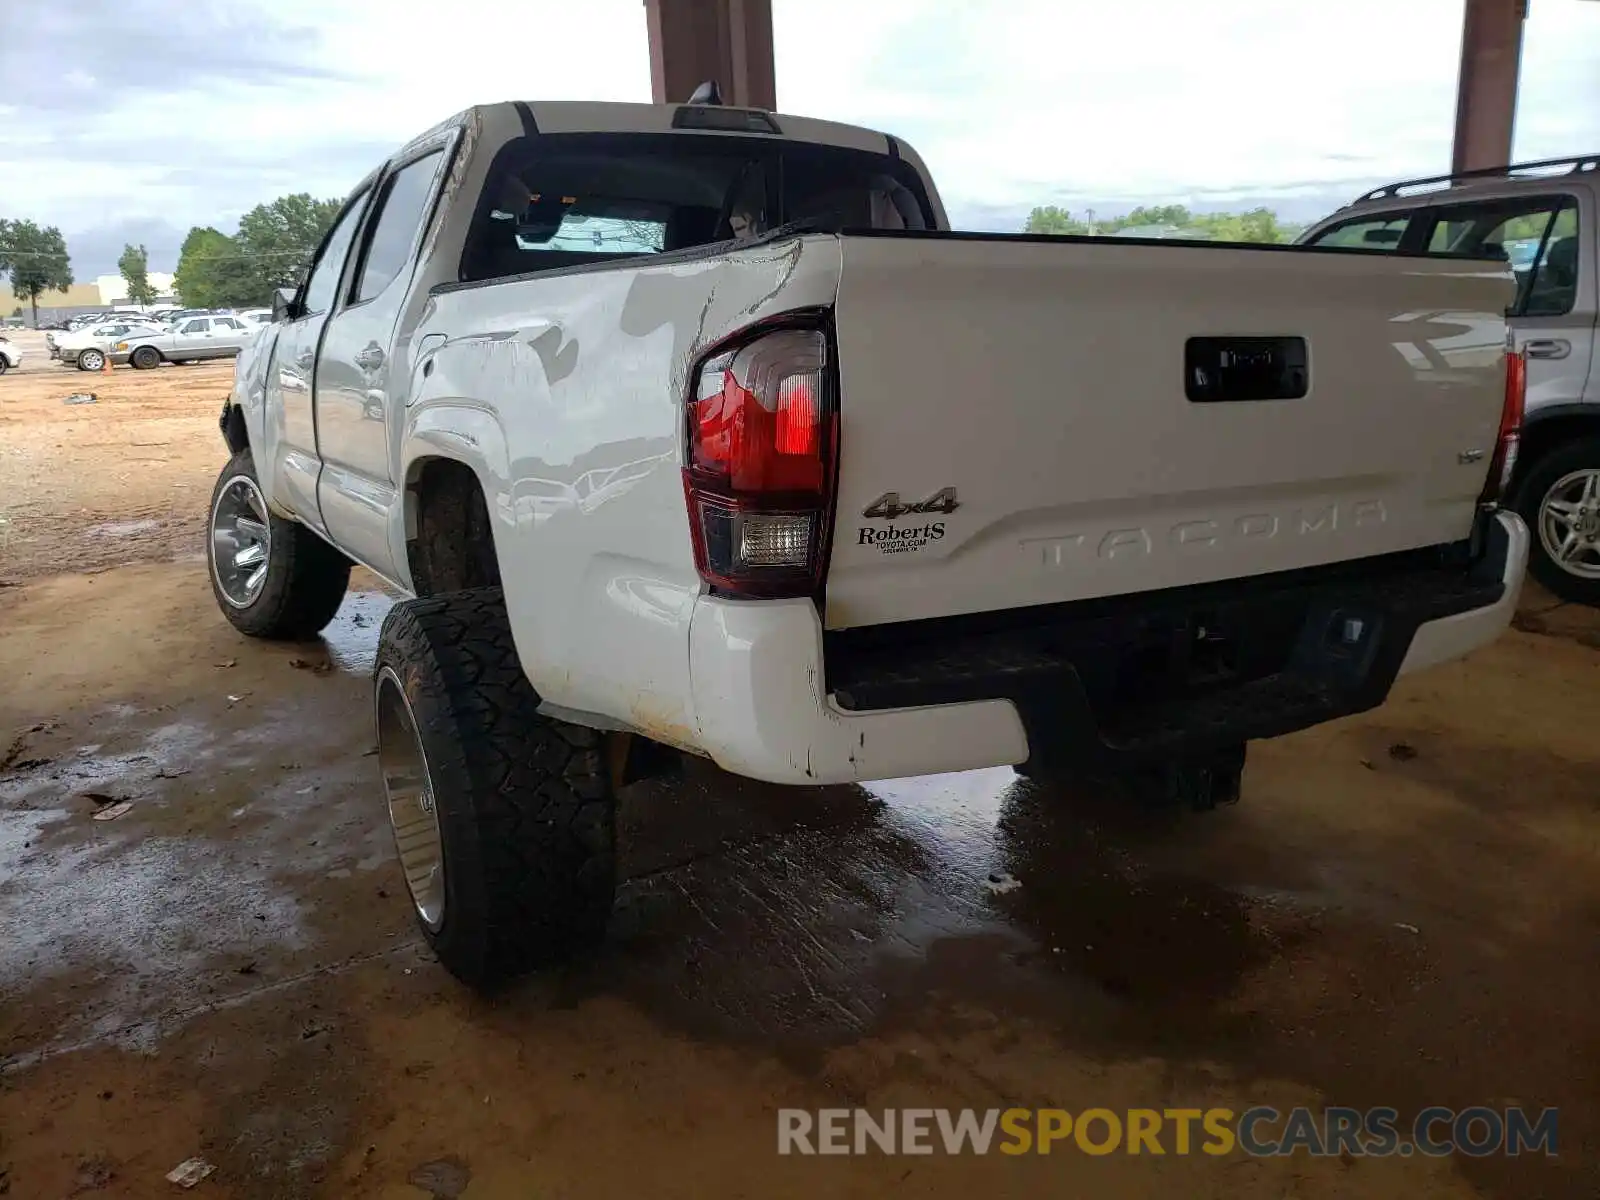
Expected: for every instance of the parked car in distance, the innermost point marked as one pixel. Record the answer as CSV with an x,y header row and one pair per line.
x,y
256,316
215,336
88,349
1541,218
10,356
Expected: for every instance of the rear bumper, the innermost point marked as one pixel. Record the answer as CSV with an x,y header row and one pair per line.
x,y
766,706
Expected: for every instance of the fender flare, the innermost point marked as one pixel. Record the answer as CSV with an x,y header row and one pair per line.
x,y
462,432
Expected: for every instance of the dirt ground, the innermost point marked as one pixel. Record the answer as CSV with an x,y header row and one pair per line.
x,y
1402,911
124,479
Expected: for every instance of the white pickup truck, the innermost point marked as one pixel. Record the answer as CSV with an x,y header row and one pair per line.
x,y
696,427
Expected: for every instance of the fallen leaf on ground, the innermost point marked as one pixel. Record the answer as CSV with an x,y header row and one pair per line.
x,y
227,662
112,811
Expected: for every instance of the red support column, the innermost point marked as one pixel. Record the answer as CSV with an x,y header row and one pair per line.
x,y
729,41
1486,96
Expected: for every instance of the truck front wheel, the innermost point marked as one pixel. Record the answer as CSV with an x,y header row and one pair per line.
x,y
272,577
1559,498
504,819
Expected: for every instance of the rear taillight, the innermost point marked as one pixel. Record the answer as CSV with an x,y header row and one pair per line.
x,y
1509,438
758,463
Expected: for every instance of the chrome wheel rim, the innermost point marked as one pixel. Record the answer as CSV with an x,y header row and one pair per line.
x,y
93,360
408,790
1569,523
241,541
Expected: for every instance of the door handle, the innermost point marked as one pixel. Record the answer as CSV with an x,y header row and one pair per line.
x,y
370,359
1547,348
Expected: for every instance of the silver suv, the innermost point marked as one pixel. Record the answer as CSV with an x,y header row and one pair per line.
x,y
1541,218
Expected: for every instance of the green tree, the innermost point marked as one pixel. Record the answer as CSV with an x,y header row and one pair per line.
x,y
135,268
1053,220
275,242
1257,225
1161,214
38,260
210,272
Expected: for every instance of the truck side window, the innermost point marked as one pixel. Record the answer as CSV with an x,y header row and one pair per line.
x,y
1526,232
401,208
325,275
1378,233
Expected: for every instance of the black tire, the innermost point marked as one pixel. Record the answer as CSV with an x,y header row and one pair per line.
x,y
527,819
306,578
145,358
85,354
1542,474
5,364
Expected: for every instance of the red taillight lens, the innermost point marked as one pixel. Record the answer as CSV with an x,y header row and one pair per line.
x,y
1509,438
758,464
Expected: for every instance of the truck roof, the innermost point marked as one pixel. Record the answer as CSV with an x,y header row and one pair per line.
x,y
598,116
1490,182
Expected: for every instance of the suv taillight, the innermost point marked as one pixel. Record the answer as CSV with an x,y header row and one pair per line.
x,y
1509,438
758,462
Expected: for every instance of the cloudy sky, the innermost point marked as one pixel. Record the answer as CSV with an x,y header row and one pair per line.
x,y
135,119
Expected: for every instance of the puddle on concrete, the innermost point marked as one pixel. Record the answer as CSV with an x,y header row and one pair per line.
x,y
352,636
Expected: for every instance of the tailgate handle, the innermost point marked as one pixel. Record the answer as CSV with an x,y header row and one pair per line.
x,y
1223,369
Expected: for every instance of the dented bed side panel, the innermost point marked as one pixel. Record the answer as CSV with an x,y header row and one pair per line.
x,y
565,394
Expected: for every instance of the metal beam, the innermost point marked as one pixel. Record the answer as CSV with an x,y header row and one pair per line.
x,y
729,41
1486,95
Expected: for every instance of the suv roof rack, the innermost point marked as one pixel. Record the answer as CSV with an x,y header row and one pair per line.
x,y
1573,165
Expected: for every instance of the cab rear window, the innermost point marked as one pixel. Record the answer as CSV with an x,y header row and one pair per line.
x,y
564,200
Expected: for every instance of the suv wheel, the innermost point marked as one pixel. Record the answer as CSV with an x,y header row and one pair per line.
x,y
1559,498
503,818
272,577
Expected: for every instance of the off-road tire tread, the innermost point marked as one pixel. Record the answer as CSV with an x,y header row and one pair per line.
x,y
306,577
525,802
1529,494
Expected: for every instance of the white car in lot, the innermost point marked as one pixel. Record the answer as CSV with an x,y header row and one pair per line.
x,y
214,336
88,349
10,356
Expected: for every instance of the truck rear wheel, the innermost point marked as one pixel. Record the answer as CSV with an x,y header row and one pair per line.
x,y
272,577
504,819
1559,498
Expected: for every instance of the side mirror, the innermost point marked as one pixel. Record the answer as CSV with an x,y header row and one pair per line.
x,y
283,304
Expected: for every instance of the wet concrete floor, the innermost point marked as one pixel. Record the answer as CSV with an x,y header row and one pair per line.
x,y
229,970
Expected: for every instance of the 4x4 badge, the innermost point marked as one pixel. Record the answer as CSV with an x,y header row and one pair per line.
x,y
887,506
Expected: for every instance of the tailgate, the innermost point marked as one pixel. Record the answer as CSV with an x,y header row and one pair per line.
x,y
1020,424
